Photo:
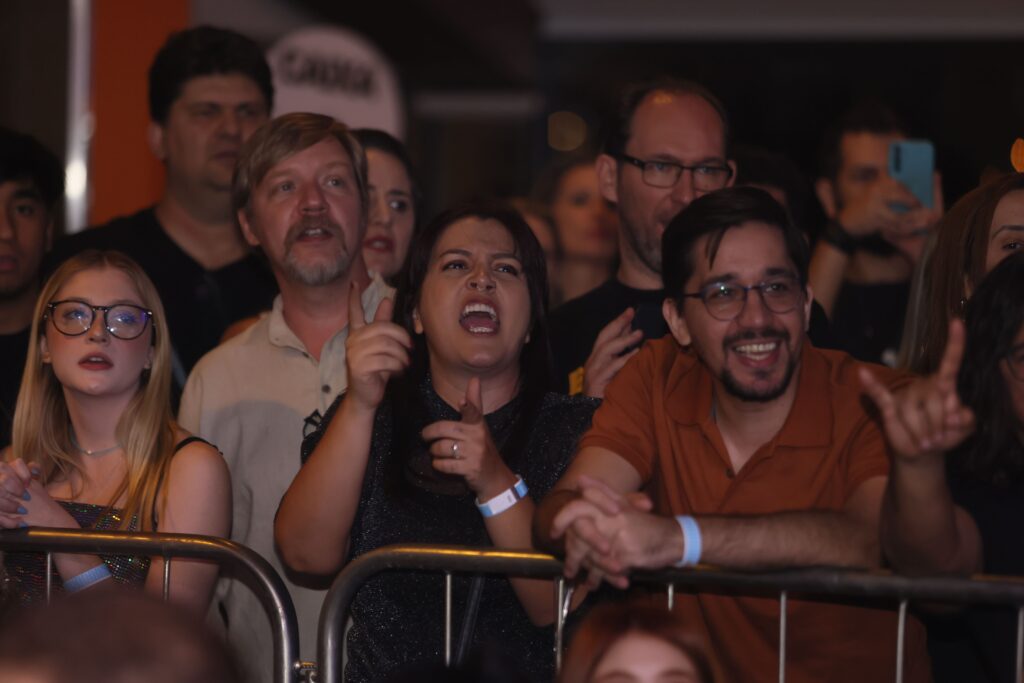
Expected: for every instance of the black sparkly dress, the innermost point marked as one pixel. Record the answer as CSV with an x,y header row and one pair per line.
x,y
398,617
25,580
26,572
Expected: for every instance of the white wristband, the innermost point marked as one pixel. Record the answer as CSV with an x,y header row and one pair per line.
x,y
504,500
691,541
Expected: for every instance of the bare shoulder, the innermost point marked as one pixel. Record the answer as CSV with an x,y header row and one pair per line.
x,y
196,460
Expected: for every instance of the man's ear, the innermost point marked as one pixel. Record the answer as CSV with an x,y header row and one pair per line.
x,y
608,177
826,191
676,322
157,140
247,231
417,324
808,305
735,172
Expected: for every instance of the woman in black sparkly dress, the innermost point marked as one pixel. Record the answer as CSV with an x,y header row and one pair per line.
x,y
445,435
95,445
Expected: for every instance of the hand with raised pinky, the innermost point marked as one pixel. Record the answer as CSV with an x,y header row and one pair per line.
x,y
925,418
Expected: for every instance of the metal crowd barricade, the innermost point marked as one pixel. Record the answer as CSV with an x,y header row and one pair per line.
x,y
818,582
264,580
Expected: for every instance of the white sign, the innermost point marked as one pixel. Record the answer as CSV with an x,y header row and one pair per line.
x,y
335,71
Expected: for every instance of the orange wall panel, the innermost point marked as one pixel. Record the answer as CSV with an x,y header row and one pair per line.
x,y
124,174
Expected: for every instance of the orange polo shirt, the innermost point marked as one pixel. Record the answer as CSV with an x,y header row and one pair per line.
x,y
657,415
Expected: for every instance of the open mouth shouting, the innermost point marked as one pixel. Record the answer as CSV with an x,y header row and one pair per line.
x,y
312,231
479,317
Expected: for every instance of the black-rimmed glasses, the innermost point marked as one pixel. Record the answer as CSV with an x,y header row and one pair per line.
x,y
73,318
725,300
664,174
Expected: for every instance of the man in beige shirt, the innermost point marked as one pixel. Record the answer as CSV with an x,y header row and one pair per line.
x,y
300,195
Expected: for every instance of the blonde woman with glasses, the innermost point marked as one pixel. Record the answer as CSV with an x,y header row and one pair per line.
x,y
95,445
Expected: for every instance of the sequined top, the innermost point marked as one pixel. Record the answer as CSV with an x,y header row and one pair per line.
x,y
26,572
398,617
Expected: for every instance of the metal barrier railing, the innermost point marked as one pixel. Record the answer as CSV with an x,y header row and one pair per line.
x,y
265,581
821,582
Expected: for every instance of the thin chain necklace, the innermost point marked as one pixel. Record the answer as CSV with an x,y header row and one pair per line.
x,y
97,452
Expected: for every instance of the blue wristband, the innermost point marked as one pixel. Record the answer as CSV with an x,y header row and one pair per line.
x,y
691,541
89,577
504,500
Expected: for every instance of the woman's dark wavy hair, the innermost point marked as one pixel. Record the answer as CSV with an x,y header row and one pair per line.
x,y
535,358
995,316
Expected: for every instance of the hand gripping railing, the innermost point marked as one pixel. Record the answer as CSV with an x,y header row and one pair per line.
x,y
268,586
817,582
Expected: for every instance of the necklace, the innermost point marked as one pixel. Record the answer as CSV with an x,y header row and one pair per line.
x,y
97,452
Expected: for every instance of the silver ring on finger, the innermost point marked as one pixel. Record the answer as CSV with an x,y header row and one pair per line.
x,y
455,450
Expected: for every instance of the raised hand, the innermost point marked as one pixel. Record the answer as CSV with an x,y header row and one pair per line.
x,y
872,210
607,357
466,448
910,233
926,417
374,352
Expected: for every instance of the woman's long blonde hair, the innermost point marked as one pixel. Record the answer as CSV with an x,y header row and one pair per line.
x,y
42,426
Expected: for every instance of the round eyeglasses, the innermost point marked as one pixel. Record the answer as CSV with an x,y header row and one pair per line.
x,y
707,177
73,318
725,300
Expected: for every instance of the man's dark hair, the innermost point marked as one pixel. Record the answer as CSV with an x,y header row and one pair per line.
x,y
25,159
714,214
204,51
869,116
618,128
760,166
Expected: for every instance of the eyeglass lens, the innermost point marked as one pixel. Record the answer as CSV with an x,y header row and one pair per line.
x,y
725,301
123,321
705,178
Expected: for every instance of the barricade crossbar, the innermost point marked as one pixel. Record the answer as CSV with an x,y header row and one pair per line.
x,y
823,582
270,589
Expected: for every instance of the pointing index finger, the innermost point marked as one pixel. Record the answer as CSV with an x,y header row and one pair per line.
x,y
356,317
949,366
472,407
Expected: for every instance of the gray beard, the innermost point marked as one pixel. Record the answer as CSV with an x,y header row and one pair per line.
x,y
317,275
649,255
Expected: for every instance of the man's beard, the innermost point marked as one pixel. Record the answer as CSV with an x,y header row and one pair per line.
x,y
322,271
649,253
733,386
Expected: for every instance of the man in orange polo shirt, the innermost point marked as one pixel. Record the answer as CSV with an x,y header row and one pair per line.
x,y
753,448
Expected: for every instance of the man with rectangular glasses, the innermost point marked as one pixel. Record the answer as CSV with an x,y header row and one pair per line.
x,y
667,145
752,448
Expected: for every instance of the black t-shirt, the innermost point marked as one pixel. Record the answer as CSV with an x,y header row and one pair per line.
x,y
13,349
574,327
200,303
868,320
978,644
